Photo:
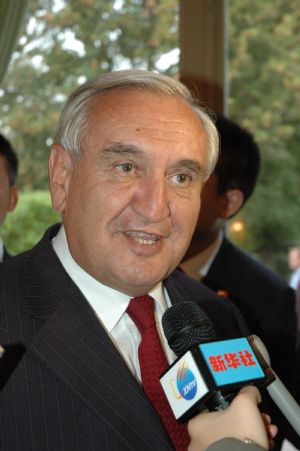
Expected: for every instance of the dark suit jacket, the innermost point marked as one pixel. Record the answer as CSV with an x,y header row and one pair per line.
x,y
268,305
71,389
265,300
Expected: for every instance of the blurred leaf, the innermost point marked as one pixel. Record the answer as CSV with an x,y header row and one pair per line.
x,y
264,74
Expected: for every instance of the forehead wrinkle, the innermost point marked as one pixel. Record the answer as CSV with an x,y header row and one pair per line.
x,y
159,126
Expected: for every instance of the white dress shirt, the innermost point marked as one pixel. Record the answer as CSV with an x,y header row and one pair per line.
x,y
295,279
110,307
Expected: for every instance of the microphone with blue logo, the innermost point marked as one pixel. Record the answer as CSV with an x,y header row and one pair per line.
x,y
208,372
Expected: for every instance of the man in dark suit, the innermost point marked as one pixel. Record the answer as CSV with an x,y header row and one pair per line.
x,y
8,187
294,281
265,299
130,156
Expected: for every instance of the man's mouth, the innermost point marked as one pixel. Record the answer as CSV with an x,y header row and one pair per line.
x,y
143,238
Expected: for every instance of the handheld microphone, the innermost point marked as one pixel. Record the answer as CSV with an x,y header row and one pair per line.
x,y
277,390
208,373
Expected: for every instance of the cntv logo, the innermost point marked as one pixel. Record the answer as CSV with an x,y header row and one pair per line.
x,y
183,385
186,383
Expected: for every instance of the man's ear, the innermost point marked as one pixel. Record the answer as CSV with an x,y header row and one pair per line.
x,y
13,198
230,203
60,167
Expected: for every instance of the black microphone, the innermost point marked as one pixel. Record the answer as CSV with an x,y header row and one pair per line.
x,y
186,324
208,372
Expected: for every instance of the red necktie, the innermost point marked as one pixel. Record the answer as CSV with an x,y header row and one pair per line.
x,y
153,362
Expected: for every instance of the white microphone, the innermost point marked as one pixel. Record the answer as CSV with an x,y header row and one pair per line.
x,y
277,390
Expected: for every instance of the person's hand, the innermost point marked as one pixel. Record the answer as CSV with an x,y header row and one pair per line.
x,y
241,420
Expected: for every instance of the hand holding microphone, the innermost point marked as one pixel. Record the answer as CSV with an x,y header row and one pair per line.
x,y
242,421
208,374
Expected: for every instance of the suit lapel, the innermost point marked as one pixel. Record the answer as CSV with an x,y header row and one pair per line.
x,y
227,320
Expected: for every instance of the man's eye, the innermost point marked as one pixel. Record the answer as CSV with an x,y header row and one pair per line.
x,y
182,179
125,167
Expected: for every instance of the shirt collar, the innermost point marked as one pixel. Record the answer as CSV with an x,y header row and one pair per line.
x,y
209,255
108,304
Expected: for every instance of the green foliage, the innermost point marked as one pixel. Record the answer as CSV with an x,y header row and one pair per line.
x,y
45,68
264,74
27,223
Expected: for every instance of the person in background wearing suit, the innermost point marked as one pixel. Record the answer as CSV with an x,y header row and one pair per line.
x,y
294,265
130,156
8,187
265,299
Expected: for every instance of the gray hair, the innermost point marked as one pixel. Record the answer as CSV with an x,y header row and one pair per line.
x,y
74,120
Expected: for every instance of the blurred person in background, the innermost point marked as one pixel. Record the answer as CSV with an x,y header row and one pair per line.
x,y
8,187
265,299
294,265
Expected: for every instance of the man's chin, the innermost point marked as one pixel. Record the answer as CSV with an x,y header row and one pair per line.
x,y
138,286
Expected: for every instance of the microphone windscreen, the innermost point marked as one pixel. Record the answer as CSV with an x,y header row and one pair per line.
x,y
185,324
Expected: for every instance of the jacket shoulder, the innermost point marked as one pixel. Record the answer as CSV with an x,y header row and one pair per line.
x,y
225,316
232,260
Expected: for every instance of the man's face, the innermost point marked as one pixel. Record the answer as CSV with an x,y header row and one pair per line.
x,y
213,213
8,194
131,202
294,258
210,206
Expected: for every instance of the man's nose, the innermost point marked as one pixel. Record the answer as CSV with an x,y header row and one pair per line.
x,y
152,199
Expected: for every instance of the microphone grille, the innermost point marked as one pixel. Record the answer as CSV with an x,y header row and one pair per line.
x,y
186,324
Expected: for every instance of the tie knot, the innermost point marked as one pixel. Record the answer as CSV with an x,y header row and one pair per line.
x,y
141,311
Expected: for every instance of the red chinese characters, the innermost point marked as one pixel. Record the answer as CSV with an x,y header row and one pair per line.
x,y
231,360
